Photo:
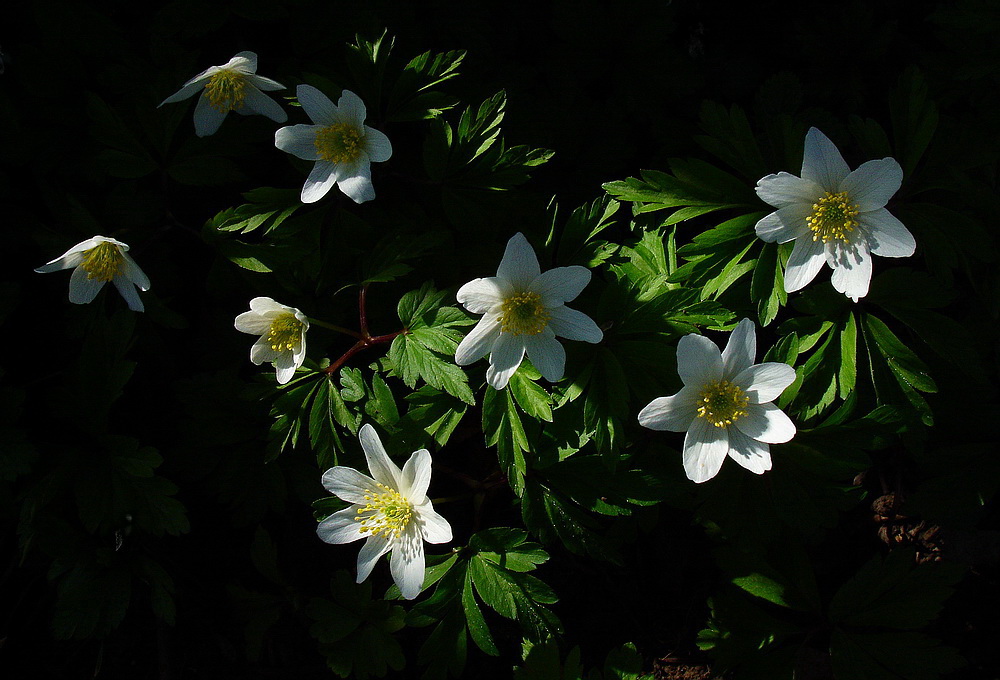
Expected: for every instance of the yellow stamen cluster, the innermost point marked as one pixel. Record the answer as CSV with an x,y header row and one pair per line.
x,y
524,314
339,143
226,90
285,333
833,218
103,262
722,403
386,512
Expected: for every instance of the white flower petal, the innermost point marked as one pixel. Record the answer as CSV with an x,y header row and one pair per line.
x,y
872,184
193,87
317,105
886,235
506,356
785,189
320,180
350,109
822,162
416,476
741,349
434,527
546,354
705,448
765,382
83,289
128,291
374,548
348,484
134,274
252,322
261,351
381,466
265,84
355,180
755,456
673,414
699,360
479,341
62,262
207,119
377,145
766,423
561,284
284,367
852,271
573,325
258,102
298,140
785,224
804,263
245,62
340,527
406,564
262,305
519,265
481,295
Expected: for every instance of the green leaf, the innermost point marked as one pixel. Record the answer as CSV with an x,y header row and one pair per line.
x,y
502,428
530,396
478,630
891,656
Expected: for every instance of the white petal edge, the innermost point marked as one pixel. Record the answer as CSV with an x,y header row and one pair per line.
x,y
766,423
416,476
705,449
784,188
206,118
434,527
258,102
765,382
741,349
506,356
82,289
671,414
377,145
135,274
128,291
317,105
407,563
804,263
348,484
546,354
481,295
374,548
886,235
560,284
479,341
355,180
755,456
574,325
350,109
319,182
340,527
298,140
519,265
873,183
381,466
699,360
852,271
785,224
822,162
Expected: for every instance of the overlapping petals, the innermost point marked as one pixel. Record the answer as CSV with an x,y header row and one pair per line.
x,y
98,260
282,332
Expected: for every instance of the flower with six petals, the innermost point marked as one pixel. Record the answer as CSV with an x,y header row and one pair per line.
x,y
725,405
234,86
340,143
523,312
282,332
835,215
97,261
390,509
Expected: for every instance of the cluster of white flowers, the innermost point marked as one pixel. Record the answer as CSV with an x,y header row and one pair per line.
x,y
833,214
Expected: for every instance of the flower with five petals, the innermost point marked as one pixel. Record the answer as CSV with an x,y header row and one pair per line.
x,y
282,332
234,86
835,215
523,311
725,405
97,261
340,143
390,509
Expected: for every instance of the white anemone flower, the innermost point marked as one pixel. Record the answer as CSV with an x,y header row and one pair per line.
x,y
523,312
97,261
282,332
340,143
835,215
391,509
725,405
234,86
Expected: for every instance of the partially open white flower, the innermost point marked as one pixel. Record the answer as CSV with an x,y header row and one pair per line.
x,y
835,215
340,143
97,261
234,86
391,509
725,405
282,332
523,311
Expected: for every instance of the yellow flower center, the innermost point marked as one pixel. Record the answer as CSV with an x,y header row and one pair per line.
x,y
285,333
339,143
387,513
722,403
524,314
226,90
103,262
833,218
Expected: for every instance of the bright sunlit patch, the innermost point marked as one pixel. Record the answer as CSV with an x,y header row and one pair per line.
x,y
833,218
722,403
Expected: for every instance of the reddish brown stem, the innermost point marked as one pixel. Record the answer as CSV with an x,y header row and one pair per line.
x,y
365,339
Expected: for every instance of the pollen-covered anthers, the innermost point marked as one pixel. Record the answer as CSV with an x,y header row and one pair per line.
x,y
285,333
524,314
386,512
226,90
339,143
722,403
103,262
833,218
